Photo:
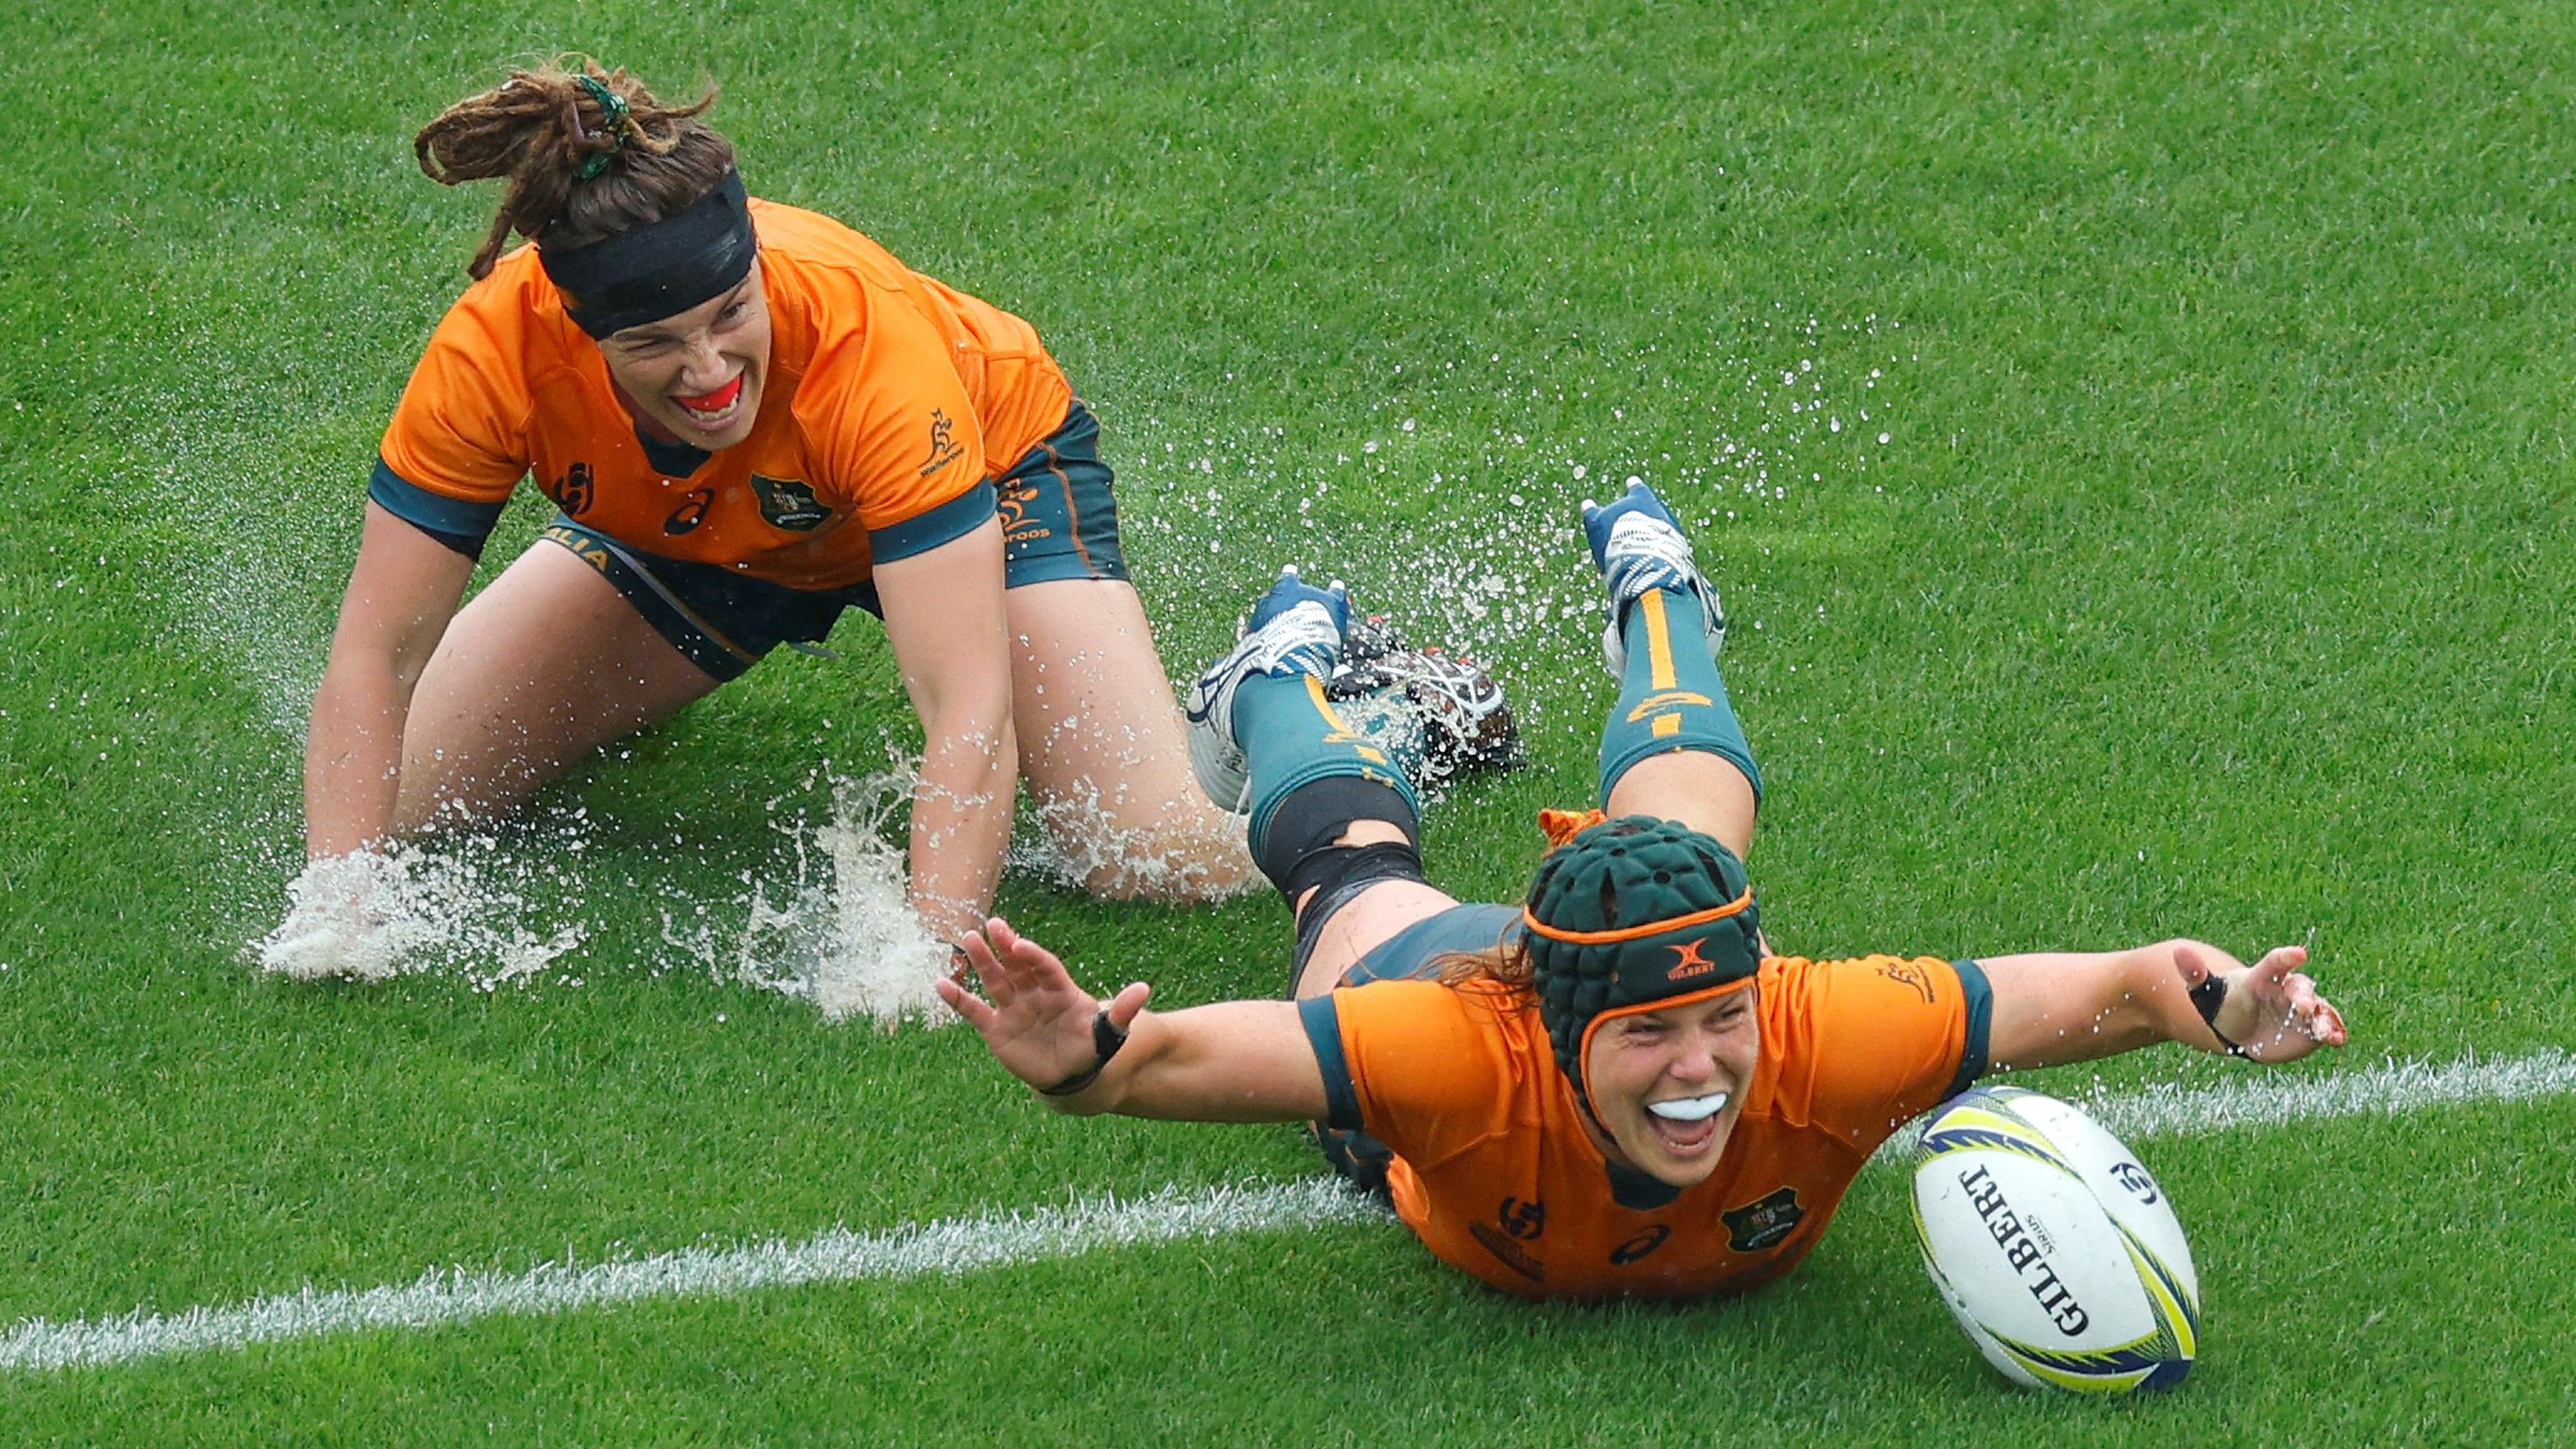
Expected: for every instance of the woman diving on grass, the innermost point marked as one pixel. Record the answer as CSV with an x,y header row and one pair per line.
x,y
751,418
1615,1088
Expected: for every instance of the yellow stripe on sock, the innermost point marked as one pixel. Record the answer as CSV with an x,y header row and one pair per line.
x,y
1659,642
1667,724
1324,707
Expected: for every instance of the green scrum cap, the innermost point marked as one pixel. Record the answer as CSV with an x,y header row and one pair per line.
x,y
1631,915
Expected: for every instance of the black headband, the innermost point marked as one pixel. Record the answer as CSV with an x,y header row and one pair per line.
x,y
655,271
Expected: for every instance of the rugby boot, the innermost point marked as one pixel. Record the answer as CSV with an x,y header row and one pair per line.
x,y
1459,717
1294,628
1639,549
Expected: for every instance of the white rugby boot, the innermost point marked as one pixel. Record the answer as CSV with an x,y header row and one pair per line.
x,y
1294,628
1639,549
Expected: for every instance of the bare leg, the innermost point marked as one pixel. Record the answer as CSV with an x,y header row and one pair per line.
x,y
1701,790
1102,750
544,666
1366,921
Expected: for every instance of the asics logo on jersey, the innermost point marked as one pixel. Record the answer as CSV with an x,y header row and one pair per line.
x,y
1639,1246
576,490
1690,962
691,512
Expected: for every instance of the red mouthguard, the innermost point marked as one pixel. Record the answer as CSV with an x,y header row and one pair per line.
x,y
721,398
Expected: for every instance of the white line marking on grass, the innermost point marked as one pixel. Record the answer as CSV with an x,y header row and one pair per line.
x,y
967,1245
953,1246
2385,1090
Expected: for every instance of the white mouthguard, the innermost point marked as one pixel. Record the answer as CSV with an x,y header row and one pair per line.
x,y
1690,1109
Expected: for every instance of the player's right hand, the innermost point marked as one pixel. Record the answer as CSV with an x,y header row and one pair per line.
x,y
1032,1016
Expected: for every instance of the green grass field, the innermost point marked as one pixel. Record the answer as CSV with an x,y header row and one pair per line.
x,y
2130,438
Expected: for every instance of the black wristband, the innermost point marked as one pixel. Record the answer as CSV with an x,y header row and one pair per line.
x,y
1106,1038
2205,999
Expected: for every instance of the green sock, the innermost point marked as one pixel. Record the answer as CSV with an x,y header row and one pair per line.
x,y
1670,698
1291,735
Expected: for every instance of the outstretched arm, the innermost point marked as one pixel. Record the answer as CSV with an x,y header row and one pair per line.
x,y
1236,1061
2051,1008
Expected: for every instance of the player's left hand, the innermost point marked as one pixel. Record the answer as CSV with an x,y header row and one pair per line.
x,y
2273,1009
1037,1022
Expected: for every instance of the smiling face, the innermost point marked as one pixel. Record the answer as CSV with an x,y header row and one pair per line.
x,y
1669,1084
698,374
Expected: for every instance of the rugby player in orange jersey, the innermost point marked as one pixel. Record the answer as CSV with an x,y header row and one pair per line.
x,y
1613,1088
751,418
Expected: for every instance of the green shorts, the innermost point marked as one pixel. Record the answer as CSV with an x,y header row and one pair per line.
x,y
1059,521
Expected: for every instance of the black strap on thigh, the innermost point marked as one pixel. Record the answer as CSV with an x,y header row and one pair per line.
x,y
1314,815
1297,851
1339,874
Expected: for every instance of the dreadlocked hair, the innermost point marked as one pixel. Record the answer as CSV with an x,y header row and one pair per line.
x,y
540,127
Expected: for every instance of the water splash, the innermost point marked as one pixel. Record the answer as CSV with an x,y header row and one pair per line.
x,y
1189,856
832,926
842,933
369,917
1486,454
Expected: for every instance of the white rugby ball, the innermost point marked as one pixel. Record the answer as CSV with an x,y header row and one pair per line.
x,y
2053,1247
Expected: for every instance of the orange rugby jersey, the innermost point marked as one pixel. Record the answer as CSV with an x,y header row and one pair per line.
x,y
891,403
1496,1174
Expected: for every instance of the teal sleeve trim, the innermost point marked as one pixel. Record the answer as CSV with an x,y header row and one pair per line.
x,y
922,532
1981,1019
435,512
1323,1022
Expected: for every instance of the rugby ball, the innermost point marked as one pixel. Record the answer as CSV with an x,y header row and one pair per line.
x,y
2053,1246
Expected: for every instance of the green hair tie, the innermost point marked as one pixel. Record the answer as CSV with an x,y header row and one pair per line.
x,y
612,127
